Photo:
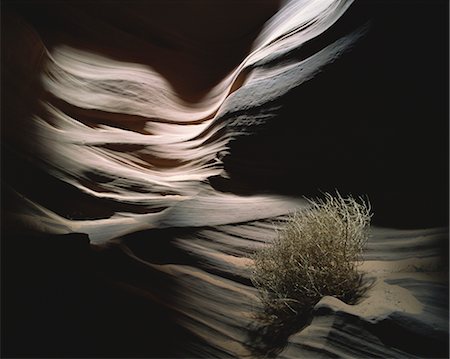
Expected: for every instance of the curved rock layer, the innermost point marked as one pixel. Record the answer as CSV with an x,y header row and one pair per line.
x,y
403,314
176,184
118,133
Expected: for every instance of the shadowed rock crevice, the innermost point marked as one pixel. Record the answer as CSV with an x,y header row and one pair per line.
x,y
361,125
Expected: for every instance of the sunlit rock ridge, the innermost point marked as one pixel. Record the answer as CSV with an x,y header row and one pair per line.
x,y
153,152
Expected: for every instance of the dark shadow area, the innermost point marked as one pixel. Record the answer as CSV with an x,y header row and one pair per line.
x,y
374,122
267,337
193,44
65,298
393,334
22,175
157,245
398,335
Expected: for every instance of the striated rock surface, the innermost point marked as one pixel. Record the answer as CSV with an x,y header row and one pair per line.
x,y
175,147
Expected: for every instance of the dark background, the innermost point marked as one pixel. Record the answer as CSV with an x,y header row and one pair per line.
x,y
374,123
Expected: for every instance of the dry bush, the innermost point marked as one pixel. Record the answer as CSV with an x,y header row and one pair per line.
x,y
316,253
